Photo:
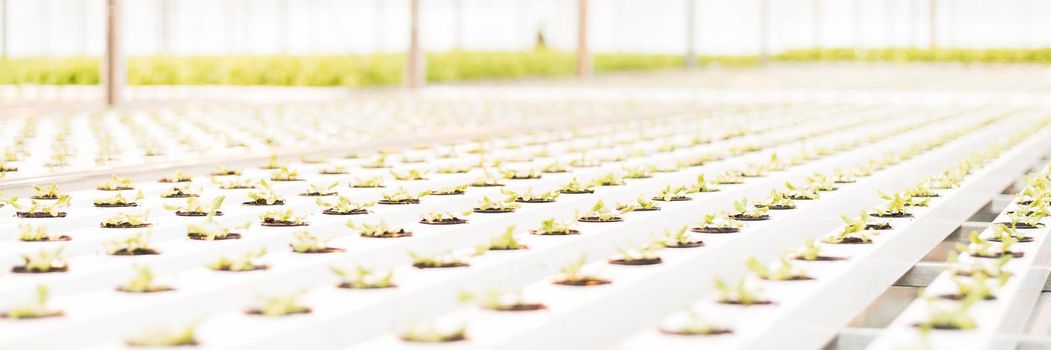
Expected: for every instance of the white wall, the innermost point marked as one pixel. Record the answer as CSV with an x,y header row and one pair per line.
x,y
224,27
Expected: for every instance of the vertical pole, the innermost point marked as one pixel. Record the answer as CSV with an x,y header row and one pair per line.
x,y
113,63
933,30
458,25
764,31
583,53
817,26
414,65
691,28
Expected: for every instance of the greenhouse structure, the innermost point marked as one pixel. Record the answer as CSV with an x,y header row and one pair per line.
x,y
525,174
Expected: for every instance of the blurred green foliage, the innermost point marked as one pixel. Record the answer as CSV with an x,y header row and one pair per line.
x,y
386,69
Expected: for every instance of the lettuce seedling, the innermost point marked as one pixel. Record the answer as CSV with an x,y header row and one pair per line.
x,y
529,197
841,177
487,180
552,227
780,270
306,242
166,338
922,189
403,197
853,232
490,206
694,324
284,174
281,305
441,260
796,193
344,206
48,192
118,200
180,176
721,222
609,179
272,163
450,190
409,175
39,209
573,275
679,238
44,261
116,183
701,185
978,266
738,294
821,182
432,334
896,206
143,282
371,182
1001,232
37,309
600,213
211,230
645,254
221,170
29,233
638,172
264,196
516,174
444,218
641,204
320,190
194,207
363,278
285,217
729,177
335,169
778,200
246,263
182,191
576,187
503,241
745,212
498,300
380,230
136,244
981,248
672,194
941,315
237,183
454,169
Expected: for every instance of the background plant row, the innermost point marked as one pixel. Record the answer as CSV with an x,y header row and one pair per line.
x,y
386,69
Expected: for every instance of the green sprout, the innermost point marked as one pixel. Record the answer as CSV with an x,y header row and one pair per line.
x,y
178,191
729,177
638,253
977,266
37,309
821,182
896,206
210,230
127,220
335,169
370,182
451,190
574,186
984,249
29,233
344,206
641,204
118,200
609,179
363,278
221,170
1001,232
380,230
306,242
942,315
166,338
44,261
180,176
116,183
679,238
320,190
403,197
272,163
285,217
40,209
281,305
638,172
503,241
701,185
574,274
246,263
805,193
490,206
264,196
237,183
853,231
194,207
434,217
601,213
721,221
777,200
529,197
744,211
740,293
514,174
432,334
810,251
45,192
781,270
556,167
437,260
409,175
669,194
143,282
495,299
136,244
695,325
